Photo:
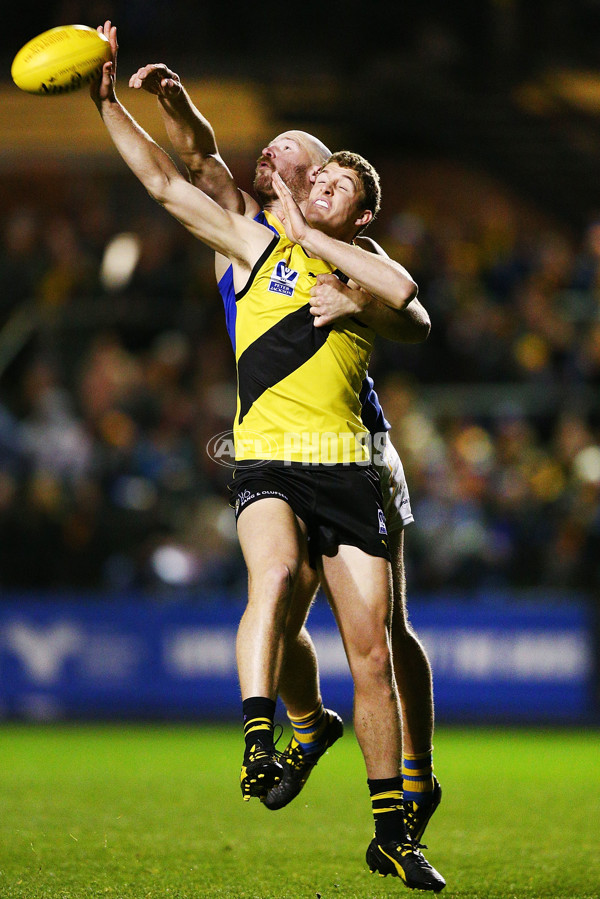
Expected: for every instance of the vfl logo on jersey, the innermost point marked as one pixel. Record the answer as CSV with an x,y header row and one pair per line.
x,y
283,279
382,526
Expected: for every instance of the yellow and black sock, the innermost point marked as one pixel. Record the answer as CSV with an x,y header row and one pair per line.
x,y
417,774
309,729
259,712
388,811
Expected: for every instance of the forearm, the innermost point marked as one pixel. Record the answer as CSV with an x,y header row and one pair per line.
x,y
191,135
148,162
226,232
409,325
163,181
380,276
193,139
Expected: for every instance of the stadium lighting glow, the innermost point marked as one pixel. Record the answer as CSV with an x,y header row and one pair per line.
x,y
121,256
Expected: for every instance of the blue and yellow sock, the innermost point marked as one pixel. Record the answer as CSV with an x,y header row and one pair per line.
x,y
309,729
417,774
388,811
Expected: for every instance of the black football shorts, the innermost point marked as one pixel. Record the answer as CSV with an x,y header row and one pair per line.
x,y
339,504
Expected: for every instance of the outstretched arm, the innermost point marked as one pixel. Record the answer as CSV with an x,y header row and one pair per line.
x,y
380,276
240,239
193,138
331,300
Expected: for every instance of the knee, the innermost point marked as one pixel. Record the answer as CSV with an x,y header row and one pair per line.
x,y
379,661
372,661
273,584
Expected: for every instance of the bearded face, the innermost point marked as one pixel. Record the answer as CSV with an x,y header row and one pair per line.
x,y
295,176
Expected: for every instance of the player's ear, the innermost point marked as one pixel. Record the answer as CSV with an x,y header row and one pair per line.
x,y
364,218
313,171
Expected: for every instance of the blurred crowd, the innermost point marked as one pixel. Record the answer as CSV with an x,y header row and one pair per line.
x,y
116,373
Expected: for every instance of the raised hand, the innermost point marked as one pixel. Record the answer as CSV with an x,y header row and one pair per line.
x,y
104,87
331,299
110,31
291,216
157,79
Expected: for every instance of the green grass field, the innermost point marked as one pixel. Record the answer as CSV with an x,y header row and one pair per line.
x,y
148,812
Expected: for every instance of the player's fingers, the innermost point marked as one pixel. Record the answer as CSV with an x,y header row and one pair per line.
x,y
170,86
158,69
144,77
326,279
156,78
137,82
101,86
320,290
146,71
279,185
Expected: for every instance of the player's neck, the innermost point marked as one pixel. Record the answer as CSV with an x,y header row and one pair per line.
x,y
274,207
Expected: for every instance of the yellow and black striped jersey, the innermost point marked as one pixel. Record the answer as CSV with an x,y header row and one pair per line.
x,y
298,386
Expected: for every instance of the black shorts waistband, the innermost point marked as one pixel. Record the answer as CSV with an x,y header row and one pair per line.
x,y
280,463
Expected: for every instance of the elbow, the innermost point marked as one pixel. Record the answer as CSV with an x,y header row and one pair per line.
x,y
412,290
415,332
197,165
423,331
420,323
158,188
424,321
406,293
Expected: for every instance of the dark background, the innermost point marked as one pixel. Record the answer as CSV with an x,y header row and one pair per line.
x,y
483,119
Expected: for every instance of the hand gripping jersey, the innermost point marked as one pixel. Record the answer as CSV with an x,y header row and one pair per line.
x,y
299,387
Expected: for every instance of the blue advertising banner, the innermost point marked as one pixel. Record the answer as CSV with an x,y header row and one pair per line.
x,y
131,658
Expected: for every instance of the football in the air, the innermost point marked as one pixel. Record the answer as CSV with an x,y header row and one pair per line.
x,y
60,60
